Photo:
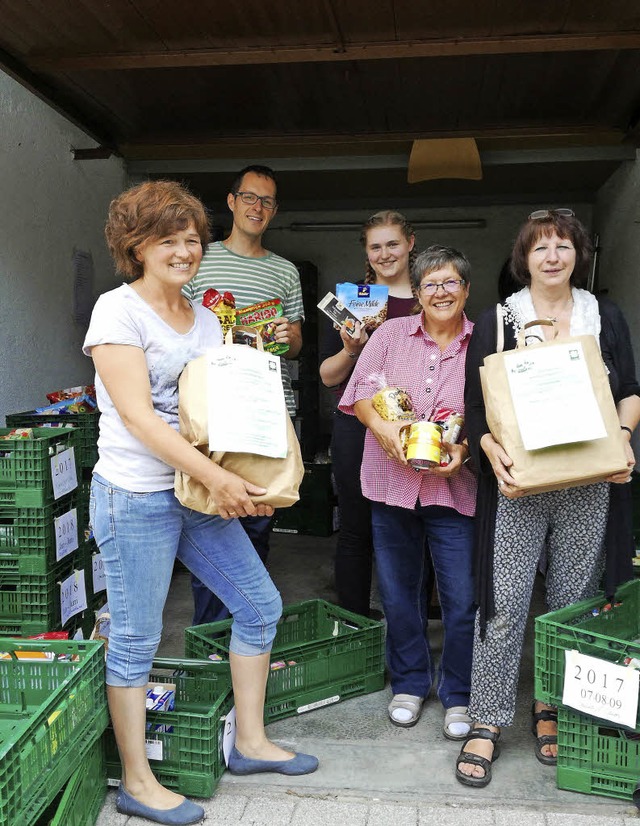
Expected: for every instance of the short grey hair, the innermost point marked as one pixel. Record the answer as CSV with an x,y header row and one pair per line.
x,y
435,258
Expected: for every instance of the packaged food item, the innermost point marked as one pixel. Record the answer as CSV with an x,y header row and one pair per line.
x,y
264,317
452,424
72,393
223,305
338,313
18,433
367,302
423,444
393,404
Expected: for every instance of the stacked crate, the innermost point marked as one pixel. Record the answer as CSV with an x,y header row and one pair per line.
x,y
44,554
53,712
316,512
595,756
185,745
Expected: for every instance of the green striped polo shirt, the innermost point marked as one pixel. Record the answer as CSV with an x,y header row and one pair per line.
x,y
251,280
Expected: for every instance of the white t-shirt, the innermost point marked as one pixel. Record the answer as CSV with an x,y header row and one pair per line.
x,y
121,316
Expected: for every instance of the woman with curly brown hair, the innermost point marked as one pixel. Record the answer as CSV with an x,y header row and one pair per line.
x,y
141,336
389,241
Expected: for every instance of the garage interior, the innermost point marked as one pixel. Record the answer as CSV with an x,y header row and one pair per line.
x,y
334,95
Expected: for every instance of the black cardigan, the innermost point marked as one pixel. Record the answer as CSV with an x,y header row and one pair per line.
x,y
617,353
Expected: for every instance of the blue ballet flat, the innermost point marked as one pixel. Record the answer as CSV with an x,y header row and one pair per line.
x,y
300,764
182,815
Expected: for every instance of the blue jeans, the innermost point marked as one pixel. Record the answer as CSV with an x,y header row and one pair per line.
x,y
139,536
401,561
207,606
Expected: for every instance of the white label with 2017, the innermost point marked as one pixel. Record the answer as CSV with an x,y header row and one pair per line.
x,y
601,689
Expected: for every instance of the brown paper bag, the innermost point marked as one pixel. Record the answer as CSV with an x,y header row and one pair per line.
x,y
560,466
281,477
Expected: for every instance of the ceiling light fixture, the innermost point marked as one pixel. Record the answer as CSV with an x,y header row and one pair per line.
x,y
349,226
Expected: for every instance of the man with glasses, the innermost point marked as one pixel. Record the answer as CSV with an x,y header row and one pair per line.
x,y
241,265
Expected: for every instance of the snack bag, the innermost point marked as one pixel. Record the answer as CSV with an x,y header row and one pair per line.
x,y
368,302
223,305
393,404
263,316
452,424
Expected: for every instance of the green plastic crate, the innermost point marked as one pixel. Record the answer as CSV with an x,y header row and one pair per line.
x,y
329,655
83,622
28,537
50,713
86,425
35,598
81,800
192,759
25,466
611,636
595,757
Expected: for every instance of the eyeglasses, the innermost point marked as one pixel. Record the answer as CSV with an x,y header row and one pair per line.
x,y
451,286
249,198
540,214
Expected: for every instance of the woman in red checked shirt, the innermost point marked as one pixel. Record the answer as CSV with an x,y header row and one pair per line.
x,y
425,355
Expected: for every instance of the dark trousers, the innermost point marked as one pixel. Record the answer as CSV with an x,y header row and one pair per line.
x,y
207,606
354,548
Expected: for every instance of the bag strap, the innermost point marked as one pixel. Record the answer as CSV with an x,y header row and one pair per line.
x,y
537,322
499,329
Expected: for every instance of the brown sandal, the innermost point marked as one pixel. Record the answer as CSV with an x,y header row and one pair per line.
x,y
544,715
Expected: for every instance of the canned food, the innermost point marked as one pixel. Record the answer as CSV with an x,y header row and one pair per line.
x,y
423,444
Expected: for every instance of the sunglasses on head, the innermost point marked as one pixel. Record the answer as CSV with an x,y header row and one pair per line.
x,y
540,214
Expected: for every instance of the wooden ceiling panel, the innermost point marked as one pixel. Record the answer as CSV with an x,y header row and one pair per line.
x,y
187,77
63,27
454,96
193,24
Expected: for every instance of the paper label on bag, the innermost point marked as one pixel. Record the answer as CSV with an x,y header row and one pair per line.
x,y
600,688
247,412
154,749
553,396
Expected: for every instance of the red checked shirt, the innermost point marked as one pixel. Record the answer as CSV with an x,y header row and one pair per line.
x,y
400,353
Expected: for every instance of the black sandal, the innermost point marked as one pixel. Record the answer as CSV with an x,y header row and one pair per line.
x,y
477,759
544,715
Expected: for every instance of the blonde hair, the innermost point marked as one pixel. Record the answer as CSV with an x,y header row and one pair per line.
x,y
385,218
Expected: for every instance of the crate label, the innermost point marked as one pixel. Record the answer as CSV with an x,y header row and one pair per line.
x,y
63,473
73,596
153,749
601,689
229,735
66,528
318,704
99,578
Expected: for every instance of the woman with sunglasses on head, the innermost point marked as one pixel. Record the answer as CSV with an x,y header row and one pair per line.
x,y
389,243
579,526
425,356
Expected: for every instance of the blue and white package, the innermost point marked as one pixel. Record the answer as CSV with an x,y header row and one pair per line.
x,y
368,302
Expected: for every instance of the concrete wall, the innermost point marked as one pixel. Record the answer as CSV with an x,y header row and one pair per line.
x,y
49,205
617,220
